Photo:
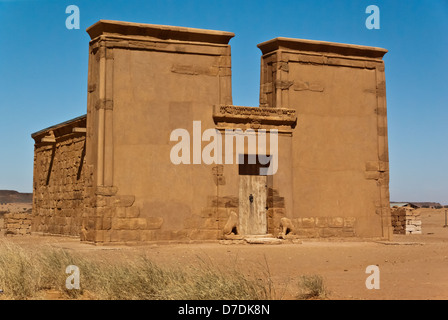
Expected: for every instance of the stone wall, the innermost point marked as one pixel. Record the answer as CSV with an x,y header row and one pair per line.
x,y
276,211
339,154
114,219
144,82
322,227
60,179
17,223
406,220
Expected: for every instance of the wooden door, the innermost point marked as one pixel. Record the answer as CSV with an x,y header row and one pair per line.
x,y
252,205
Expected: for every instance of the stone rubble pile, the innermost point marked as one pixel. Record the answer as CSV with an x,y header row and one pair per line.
x,y
406,220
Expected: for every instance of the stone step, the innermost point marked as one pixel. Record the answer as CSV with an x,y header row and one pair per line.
x,y
268,235
262,239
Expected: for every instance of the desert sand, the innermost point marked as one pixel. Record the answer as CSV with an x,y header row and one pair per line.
x,y
411,266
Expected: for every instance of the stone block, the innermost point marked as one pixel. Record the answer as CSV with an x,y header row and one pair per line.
x,y
330,232
114,235
102,236
91,223
192,222
107,223
90,235
372,175
204,234
307,233
372,166
349,222
106,191
100,201
154,222
210,223
223,213
60,221
128,235
138,223
349,230
148,235
179,235
120,212
318,59
207,212
321,222
105,212
336,222
121,201
22,231
65,230
275,202
308,223
132,212
279,212
121,224
225,202
345,62
347,233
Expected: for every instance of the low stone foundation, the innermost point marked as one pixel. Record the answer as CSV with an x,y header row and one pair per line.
x,y
406,220
17,223
319,227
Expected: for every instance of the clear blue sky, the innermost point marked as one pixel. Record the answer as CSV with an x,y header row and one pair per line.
x,y
43,69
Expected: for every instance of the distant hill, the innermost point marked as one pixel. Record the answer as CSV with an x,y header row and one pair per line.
x,y
11,196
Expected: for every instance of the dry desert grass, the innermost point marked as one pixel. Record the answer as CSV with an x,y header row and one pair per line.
x,y
31,274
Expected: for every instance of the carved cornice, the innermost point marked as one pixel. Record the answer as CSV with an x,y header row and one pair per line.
x,y
161,32
61,130
254,115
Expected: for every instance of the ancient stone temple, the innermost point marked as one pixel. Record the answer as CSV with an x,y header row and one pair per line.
x,y
109,176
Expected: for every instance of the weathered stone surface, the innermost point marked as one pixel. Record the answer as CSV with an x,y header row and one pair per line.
x,y
204,234
330,232
308,223
121,223
154,222
137,223
405,221
106,191
321,222
16,223
121,201
263,240
336,222
349,222
132,212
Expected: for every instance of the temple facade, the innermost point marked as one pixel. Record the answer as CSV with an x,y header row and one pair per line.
x,y
163,154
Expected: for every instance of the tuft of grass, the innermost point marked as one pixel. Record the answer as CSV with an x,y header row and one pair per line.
x,y
28,274
312,287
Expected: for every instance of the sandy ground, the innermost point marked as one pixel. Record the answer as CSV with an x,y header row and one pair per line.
x,y
411,266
